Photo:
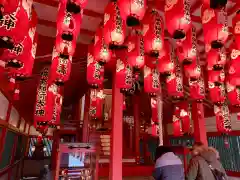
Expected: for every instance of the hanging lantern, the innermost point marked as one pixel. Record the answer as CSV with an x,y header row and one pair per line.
x,y
216,77
223,121
57,108
233,94
14,26
124,73
215,26
177,126
19,55
236,28
192,71
135,53
95,71
197,89
151,80
234,68
65,48
95,110
132,12
174,83
102,53
41,115
187,48
68,24
8,6
166,59
75,6
114,27
217,93
216,59
178,18
60,70
153,32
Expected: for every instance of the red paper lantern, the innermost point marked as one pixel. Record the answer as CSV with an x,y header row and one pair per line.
x,y
233,94
192,71
215,26
8,6
223,121
102,53
95,71
114,27
182,112
57,108
19,55
151,80
174,83
135,43
153,32
216,77
95,110
197,89
68,24
43,100
60,70
234,68
65,48
236,28
187,48
166,59
132,12
75,6
14,26
177,126
178,18
217,93
216,59
124,73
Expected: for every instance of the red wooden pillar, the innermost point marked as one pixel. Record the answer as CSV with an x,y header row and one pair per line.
x,y
137,128
200,133
86,117
117,133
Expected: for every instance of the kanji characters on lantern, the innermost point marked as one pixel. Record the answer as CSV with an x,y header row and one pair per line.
x,y
233,94
151,80
132,12
197,89
236,28
216,59
96,99
153,32
215,26
114,28
178,17
233,66
223,120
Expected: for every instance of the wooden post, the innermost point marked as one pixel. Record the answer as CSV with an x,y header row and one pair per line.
x,y
117,133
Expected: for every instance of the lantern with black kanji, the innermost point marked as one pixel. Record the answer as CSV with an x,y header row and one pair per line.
x,y
132,12
223,121
177,125
102,53
57,108
174,83
216,77
68,24
75,6
114,27
233,94
236,28
166,59
216,59
96,99
60,70
233,66
41,114
178,18
135,47
153,32
192,71
215,26
8,6
124,72
65,48
187,48
151,80
217,93
197,89
14,27
95,71
183,113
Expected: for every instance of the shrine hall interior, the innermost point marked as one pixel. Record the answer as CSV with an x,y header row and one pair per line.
x,y
93,87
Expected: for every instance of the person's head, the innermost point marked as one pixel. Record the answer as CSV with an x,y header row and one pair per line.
x,y
215,151
162,150
197,148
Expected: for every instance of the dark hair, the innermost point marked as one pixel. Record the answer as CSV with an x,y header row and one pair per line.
x,y
160,150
